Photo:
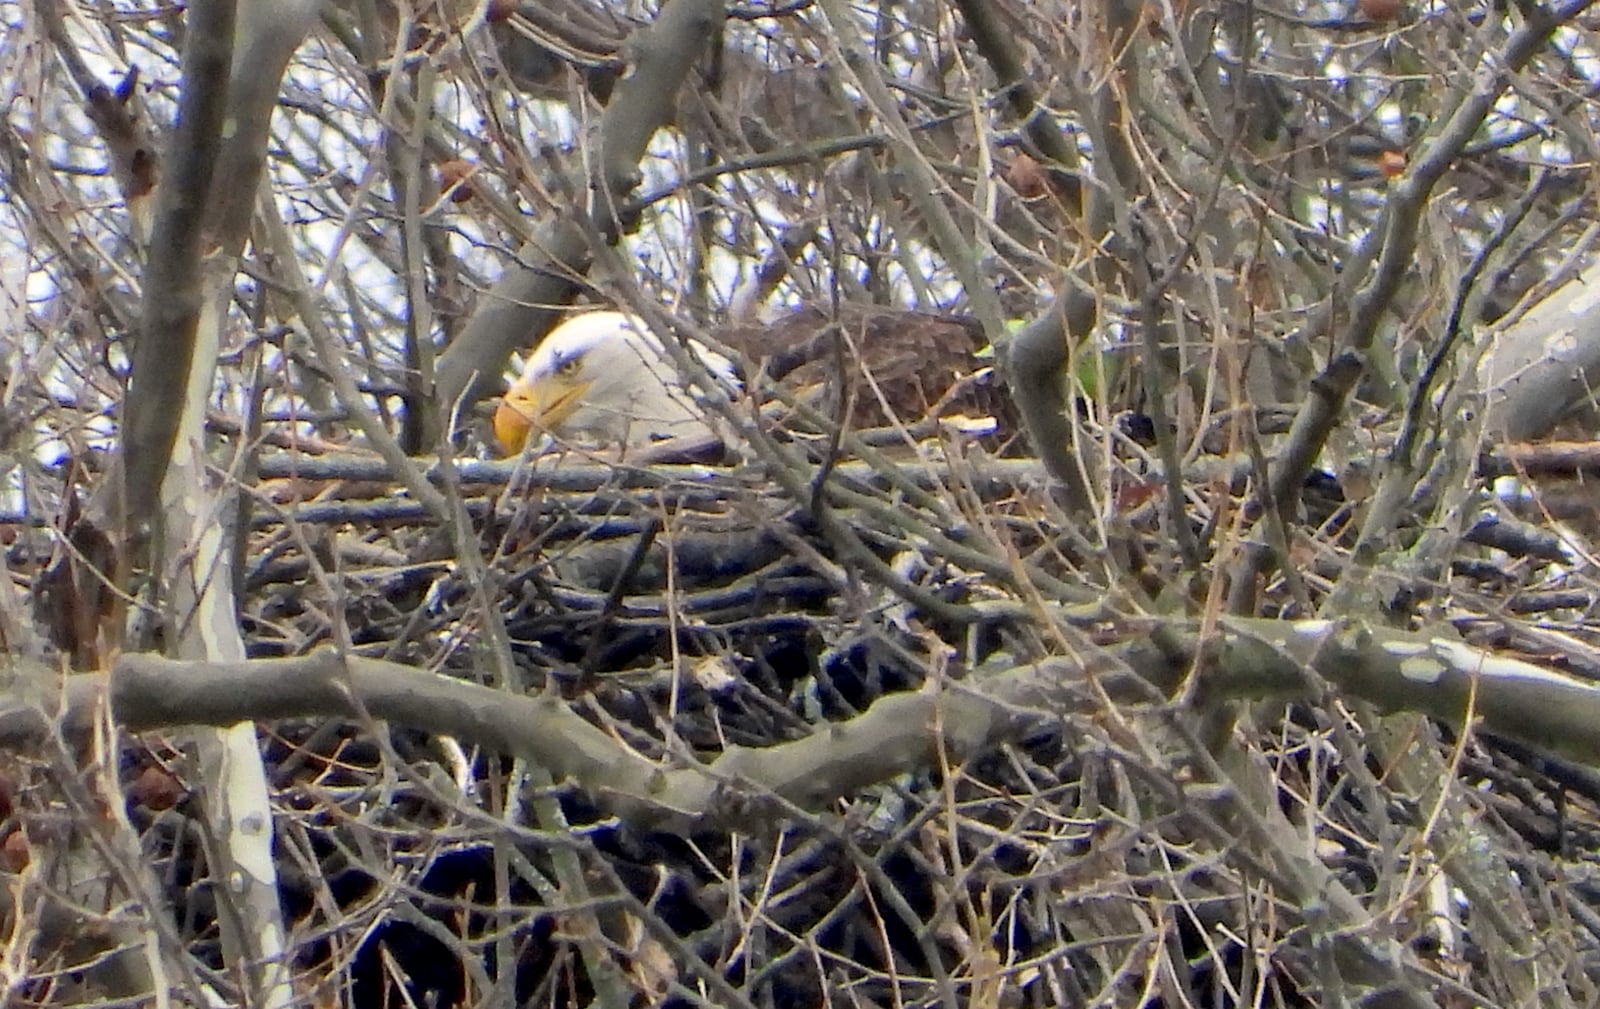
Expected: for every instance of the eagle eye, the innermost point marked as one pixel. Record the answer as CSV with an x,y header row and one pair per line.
x,y
567,367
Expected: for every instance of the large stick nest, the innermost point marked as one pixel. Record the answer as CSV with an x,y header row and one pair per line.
x,y
1103,850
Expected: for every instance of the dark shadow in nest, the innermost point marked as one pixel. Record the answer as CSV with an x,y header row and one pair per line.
x,y
601,603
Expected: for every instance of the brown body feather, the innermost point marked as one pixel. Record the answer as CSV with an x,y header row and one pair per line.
x,y
877,367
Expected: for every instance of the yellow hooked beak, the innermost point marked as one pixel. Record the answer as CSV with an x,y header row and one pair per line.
x,y
543,404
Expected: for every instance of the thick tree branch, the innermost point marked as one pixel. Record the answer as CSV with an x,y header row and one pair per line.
x,y
1437,675
1393,241
1037,357
530,295
174,275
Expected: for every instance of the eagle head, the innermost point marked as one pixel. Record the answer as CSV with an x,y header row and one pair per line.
x,y
606,376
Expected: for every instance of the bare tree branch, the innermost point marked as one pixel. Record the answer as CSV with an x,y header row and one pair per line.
x,y
529,296
174,278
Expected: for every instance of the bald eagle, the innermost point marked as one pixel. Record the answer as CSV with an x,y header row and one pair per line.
x,y
605,375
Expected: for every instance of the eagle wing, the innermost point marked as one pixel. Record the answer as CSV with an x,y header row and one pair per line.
x,y
877,366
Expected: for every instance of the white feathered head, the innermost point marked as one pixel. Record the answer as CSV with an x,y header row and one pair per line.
x,y
606,376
